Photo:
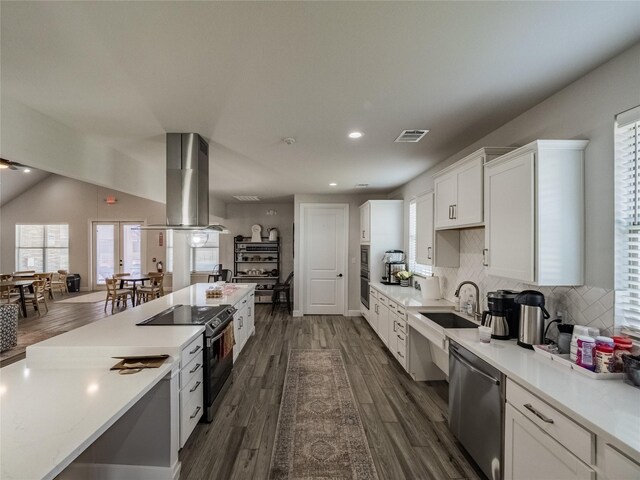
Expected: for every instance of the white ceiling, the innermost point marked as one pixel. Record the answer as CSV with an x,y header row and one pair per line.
x,y
245,75
15,182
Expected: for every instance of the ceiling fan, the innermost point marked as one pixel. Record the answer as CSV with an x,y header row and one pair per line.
x,y
4,163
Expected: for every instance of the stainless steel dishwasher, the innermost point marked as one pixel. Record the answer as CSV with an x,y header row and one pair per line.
x,y
476,408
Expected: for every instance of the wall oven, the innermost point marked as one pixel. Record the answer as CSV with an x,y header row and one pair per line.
x,y
217,342
364,275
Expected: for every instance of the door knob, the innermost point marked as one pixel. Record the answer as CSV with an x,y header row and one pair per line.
x,y
339,275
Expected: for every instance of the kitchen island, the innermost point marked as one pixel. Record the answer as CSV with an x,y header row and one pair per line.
x,y
63,403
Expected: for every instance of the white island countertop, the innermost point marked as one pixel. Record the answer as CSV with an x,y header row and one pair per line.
x,y
119,334
411,299
609,408
50,415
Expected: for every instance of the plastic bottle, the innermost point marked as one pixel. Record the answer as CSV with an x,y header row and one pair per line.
x,y
586,350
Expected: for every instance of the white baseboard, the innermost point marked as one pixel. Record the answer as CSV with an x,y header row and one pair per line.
x,y
353,313
102,471
297,313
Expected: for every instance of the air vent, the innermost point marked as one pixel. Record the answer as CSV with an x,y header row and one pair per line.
x,y
362,185
411,136
247,198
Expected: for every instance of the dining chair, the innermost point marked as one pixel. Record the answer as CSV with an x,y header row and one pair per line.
x,y
226,275
38,295
119,275
116,294
59,282
5,277
215,272
47,277
278,290
154,290
9,296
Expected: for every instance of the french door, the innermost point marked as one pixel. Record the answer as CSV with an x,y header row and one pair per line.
x,y
117,248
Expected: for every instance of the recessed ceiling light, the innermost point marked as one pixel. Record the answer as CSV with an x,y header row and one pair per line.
x,y
355,134
26,170
333,184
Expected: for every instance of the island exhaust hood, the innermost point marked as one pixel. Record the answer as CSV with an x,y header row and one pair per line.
x,y
187,184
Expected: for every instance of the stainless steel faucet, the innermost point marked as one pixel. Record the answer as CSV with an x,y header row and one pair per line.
x,y
477,313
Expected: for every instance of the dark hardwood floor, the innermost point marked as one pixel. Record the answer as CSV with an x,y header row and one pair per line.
x,y
405,421
62,317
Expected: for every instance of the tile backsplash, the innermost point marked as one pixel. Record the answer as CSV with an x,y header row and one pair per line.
x,y
584,305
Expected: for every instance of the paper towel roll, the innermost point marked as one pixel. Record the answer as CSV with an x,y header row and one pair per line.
x,y
430,287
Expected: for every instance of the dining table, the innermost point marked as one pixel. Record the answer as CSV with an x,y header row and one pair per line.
x,y
20,285
133,279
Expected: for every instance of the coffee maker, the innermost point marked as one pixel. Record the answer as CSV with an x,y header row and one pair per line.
x,y
503,314
393,263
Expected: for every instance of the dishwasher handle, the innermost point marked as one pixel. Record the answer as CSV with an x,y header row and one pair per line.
x,y
459,358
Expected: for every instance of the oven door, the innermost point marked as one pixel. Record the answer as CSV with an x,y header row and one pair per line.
x,y
218,364
364,291
364,257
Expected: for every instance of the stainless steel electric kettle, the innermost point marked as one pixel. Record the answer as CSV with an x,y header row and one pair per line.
x,y
498,324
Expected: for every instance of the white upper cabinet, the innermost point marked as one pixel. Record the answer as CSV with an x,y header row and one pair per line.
x,y
534,213
441,249
459,190
365,222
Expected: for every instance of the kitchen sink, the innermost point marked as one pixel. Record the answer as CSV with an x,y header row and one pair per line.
x,y
449,320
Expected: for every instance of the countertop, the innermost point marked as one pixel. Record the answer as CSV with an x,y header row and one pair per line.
x,y
411,298
50,415
62,397
119,334
609,408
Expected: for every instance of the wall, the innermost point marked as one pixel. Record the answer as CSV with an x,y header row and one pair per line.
x,y
64,200
582,305
353,256
583,110
240,218
44,143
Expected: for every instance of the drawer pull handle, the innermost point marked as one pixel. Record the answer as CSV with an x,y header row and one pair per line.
x,y
194,369
195,387
198,347
195,413
400,354
401,338
541,416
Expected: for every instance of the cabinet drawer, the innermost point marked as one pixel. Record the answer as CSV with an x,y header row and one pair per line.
x,y
190,370
373,293
575,438
191,351
392,305
191,407
401,312
401,326
382,299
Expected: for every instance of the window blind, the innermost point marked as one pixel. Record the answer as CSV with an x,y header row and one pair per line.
x,y
627,174
414,267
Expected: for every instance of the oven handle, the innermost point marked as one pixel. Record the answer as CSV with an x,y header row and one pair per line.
x,y
218,337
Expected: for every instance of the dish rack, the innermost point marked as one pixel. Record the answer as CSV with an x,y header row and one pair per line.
x,y
562,360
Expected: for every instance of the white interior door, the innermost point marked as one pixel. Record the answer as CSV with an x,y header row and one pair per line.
x,y
117,248
324,258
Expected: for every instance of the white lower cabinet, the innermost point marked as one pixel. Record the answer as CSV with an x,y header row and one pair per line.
x,y
383,323
616,465
191,388
243,323
531,454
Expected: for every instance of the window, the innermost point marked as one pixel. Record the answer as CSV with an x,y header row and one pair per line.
x,y
203,258
43,248
416,268
627,165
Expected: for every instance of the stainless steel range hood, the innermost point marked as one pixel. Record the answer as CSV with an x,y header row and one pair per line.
x,y
187,184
